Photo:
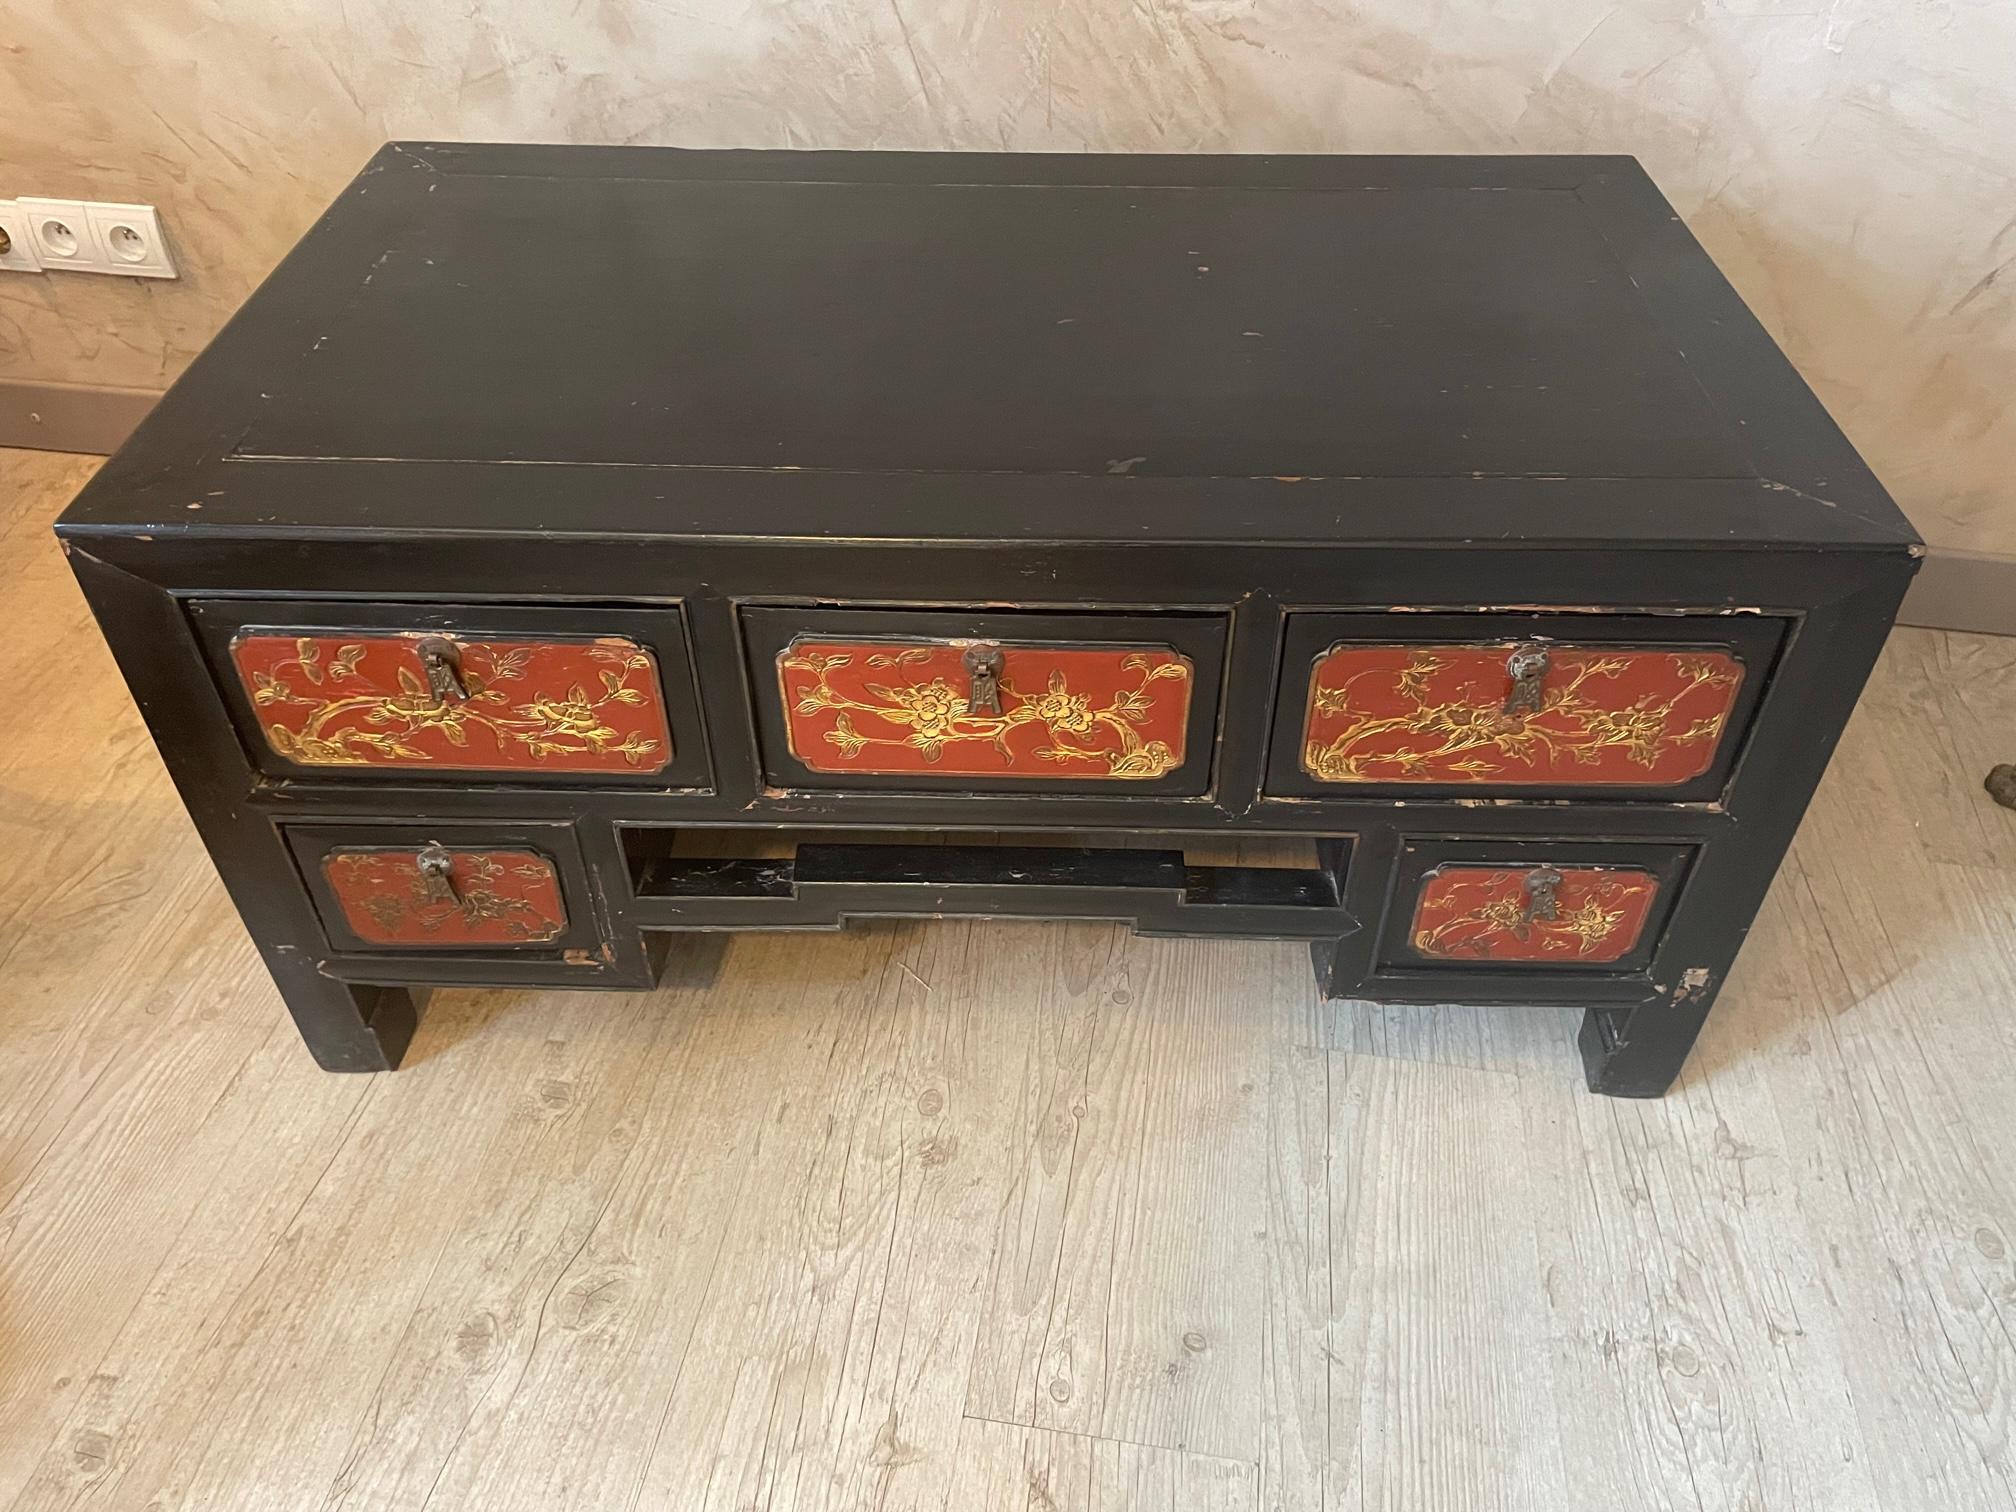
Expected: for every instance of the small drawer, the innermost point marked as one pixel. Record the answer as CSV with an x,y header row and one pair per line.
x,y
478,889
1566,906
437,897
520,693
1528,704
872,699
1562,915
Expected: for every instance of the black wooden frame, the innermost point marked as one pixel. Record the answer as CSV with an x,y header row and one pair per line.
x,y
1842,604
1811,540
828,883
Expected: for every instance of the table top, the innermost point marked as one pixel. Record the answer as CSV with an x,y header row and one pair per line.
x,y
973,345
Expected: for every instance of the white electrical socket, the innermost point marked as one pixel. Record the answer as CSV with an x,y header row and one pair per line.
x,y
82,237
17,255
61,232
132,241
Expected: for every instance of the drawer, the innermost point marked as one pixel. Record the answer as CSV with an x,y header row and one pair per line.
x,y
528,694
1574,907
986,702
1528,704
478,889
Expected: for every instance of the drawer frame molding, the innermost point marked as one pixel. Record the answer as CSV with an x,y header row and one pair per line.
x,y
318,848
326,629
1391,965
1148,755
1602,752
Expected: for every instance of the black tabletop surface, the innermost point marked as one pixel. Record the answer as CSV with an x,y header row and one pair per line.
x,y
745,342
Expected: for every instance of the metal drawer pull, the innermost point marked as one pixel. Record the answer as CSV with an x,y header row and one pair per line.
x,y
983,667
443,665
437,875
1528,668
1543,895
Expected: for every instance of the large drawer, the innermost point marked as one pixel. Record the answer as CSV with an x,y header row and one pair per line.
x,y
876,700
459,691
1526,704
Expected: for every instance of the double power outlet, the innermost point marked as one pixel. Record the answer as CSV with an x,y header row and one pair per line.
x,y
61,236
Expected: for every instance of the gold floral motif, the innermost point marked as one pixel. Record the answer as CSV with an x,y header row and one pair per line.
x,y
935,714
476,902
542,724
1581,928
1569,725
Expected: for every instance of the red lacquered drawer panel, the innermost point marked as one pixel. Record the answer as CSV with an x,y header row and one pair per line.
x,y
435,896
434,701
1583,715
1588,915
1104,712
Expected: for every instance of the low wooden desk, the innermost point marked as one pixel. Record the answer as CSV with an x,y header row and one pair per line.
x,y
571,547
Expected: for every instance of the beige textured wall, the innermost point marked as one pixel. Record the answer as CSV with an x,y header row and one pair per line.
x,y
1851,163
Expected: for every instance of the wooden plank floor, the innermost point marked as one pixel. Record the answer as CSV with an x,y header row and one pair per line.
x,y
997,1216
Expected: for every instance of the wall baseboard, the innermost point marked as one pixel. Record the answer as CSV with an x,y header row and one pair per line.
x,y
1963,590
1954,590
70,417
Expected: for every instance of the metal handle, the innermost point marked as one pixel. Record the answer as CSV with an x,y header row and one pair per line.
x,y
983,669
437,875
443,665
1543,895
1528,669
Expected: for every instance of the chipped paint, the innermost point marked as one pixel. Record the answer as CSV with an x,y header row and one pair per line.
x,y
1694,982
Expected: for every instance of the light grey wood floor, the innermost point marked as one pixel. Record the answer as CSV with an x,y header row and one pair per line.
x,y
995,1216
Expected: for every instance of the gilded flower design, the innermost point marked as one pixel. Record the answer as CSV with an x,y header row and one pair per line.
x,y
931,709
498,898
1487,913
1061,709
1438,714
324,701
1057,727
